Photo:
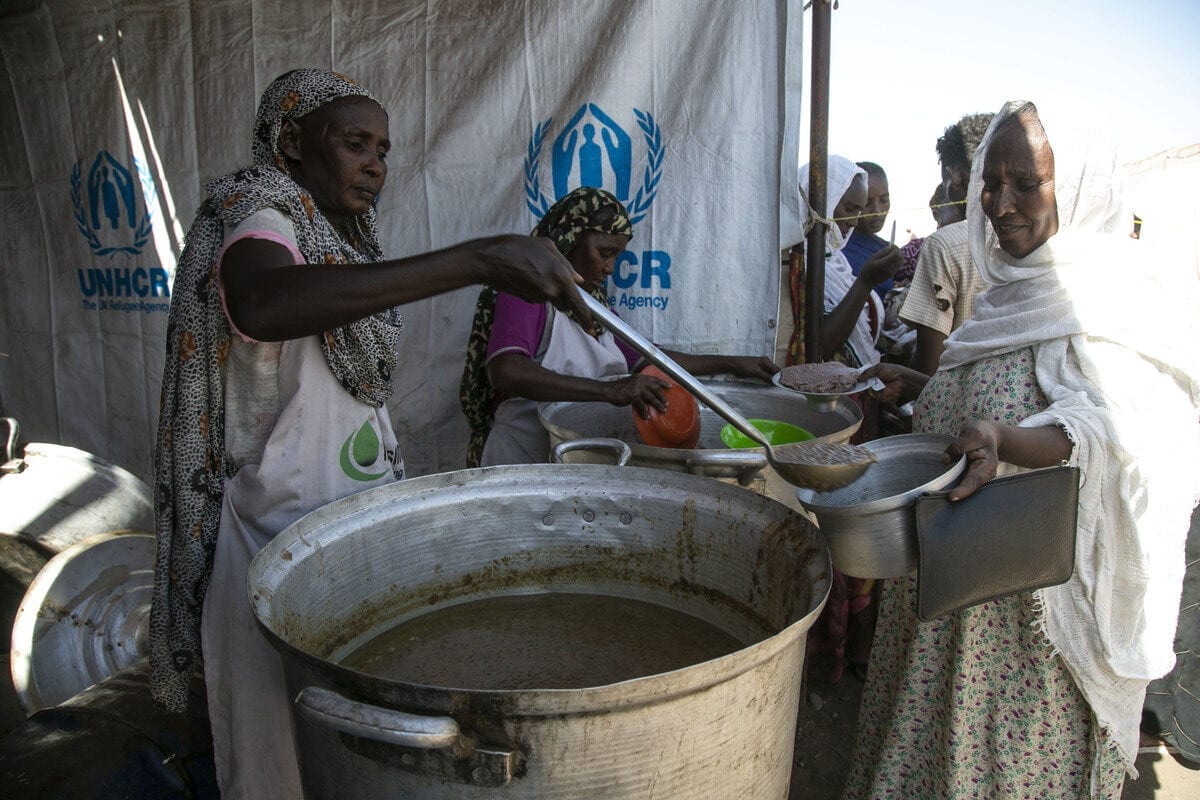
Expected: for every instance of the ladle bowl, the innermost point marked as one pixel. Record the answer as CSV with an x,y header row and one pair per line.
x,y
793,462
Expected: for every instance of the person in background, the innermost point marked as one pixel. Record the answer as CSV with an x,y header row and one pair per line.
x,y
897,341
865,241
945,282
849,329
282,340
521,354
853,312
1039,694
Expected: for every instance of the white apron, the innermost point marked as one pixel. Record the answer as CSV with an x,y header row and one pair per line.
x,y
325,445
517,435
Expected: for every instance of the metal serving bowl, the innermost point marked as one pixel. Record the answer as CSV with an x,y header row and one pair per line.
x,y
870,525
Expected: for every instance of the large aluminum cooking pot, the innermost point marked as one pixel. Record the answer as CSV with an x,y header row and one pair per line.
x,y
711,458
723,728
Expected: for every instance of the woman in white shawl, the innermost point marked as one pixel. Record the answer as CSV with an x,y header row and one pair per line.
x,y
853,313
851,324
1081,353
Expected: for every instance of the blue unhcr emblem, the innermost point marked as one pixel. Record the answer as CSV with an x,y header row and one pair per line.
x,y
109,213
579,154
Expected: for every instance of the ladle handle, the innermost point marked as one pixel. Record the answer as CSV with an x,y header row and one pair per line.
x,y
622,330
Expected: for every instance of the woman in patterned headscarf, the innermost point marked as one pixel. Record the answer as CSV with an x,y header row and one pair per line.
x,y
280,350
523,353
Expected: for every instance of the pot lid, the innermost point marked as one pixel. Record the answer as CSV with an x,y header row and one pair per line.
x,y
64,495
83,618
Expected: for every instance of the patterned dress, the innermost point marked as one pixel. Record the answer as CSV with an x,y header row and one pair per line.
x,y
974,704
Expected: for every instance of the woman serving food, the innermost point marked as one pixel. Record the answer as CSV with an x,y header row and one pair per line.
x,y
281,342
521,353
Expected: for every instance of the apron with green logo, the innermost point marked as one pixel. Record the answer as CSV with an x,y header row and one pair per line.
x,y
321,446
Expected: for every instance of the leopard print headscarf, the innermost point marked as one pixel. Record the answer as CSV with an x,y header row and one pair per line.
x,y
190,461
585,209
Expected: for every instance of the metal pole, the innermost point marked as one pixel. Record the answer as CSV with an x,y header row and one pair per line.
x,y
818,161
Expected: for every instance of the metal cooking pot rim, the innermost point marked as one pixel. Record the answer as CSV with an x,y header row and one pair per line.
x,y
303,539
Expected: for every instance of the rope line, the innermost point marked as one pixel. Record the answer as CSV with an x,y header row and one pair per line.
x,y
815,218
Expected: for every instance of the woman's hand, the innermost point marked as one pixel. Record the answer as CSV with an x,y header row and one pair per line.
x,y
900,383
881,266
980,441
758,368
639,391
531,268
986,444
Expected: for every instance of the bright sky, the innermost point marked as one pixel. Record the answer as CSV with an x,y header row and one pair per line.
x,y
902,70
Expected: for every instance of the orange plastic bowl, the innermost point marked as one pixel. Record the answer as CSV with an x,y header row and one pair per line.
x,y
679,426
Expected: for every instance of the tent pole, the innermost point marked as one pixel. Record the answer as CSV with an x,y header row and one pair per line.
x,y
818,160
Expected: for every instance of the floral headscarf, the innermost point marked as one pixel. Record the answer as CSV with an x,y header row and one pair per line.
x,y
585,209
190,461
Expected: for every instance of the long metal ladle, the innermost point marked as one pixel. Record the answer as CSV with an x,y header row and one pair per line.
x,y
786,460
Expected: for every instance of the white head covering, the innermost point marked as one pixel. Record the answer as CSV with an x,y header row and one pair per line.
x,y
1112,330
839,277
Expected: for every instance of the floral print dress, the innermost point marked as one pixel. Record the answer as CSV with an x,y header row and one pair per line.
x,y
974,704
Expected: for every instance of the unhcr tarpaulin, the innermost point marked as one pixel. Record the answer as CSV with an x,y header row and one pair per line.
x,y
113,115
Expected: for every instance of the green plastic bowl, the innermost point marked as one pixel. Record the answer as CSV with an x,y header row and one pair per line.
x,y
776,432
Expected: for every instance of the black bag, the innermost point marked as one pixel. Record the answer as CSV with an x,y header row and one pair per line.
x,y
1014,534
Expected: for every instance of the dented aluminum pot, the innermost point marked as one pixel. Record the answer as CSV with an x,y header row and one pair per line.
x,y
717,729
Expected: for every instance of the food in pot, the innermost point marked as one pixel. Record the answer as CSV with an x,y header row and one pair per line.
x,y
824,454
826,377
548,640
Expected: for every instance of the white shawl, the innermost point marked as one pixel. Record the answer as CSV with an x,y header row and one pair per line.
x,y
1114,334
839,277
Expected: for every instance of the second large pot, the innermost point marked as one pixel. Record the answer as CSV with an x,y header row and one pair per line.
x,y
711,458
722,728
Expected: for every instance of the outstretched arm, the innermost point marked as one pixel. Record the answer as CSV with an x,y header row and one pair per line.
x,y
930,344
838,323
270,298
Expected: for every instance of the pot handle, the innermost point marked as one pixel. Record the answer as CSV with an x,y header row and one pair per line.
x,y
430,746
600,443
745,464
386,725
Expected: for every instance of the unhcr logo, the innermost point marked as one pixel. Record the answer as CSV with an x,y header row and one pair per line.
x,y
106,207
593,150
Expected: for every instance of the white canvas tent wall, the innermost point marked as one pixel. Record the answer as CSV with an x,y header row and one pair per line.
x,y
113,116
1160,189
